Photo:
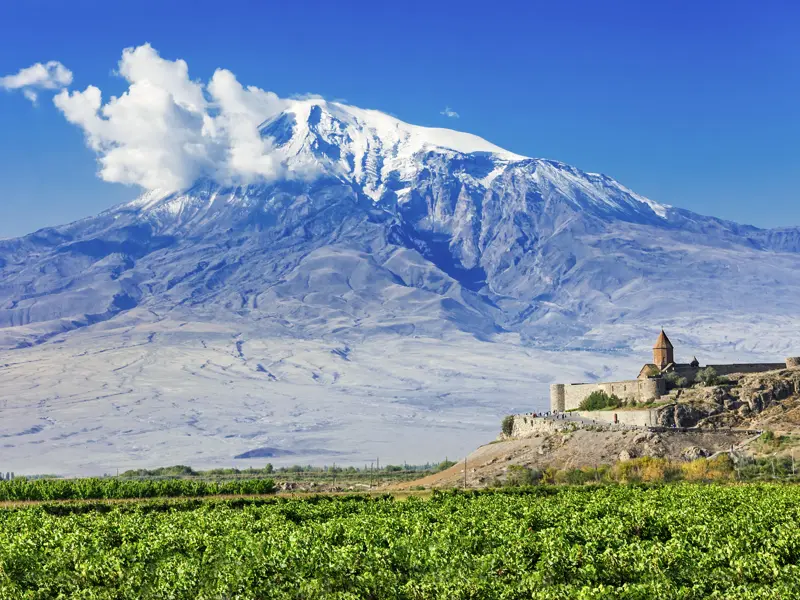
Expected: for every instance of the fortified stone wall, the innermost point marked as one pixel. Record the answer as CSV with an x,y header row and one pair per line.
x,y
793,362
638,418
747,368
528,425
569,396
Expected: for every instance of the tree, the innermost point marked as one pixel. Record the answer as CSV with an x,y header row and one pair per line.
x,y
508,425
707,376
445,464
674,380
599,400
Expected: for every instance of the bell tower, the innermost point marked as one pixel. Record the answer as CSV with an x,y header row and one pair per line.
x,y
663,351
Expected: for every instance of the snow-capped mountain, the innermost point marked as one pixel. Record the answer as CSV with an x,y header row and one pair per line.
x,y
440,225
377,229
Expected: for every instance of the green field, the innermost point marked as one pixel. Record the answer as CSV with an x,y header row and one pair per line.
x,y
674,541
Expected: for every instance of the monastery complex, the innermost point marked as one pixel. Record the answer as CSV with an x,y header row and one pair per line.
x,y
651,383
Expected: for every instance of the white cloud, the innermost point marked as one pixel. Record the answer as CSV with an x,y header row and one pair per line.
x,y
240,112
307,96
49,76
167,130
449,112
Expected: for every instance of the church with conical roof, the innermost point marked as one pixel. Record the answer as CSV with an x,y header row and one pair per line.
x,y
663,358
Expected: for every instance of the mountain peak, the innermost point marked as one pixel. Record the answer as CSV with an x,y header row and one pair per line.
x,y
364,146
325,117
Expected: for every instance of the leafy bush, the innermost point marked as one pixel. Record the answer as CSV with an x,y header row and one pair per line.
x,y
508,424
576,476
674,381
519,475
716,469
599,400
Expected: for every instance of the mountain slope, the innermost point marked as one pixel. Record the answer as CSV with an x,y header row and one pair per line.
x,y
444,229
378,229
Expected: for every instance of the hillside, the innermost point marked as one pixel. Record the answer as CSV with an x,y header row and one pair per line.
x,y
720,418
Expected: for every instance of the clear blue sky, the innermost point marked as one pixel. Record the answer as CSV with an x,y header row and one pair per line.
x,y
695,104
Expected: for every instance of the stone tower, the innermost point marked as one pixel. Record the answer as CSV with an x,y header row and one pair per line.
x,y
663,351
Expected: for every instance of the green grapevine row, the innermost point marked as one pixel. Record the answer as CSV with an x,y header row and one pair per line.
x,y
108,489
672,542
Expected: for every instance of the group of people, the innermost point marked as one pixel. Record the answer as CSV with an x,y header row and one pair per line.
x,y
550,414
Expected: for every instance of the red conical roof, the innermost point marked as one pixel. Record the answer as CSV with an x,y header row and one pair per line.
x,y
662,341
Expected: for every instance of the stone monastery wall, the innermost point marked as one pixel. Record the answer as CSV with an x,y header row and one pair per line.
x,y
748,367
528,425
567,396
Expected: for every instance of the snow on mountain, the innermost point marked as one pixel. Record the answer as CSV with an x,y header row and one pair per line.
x,y
398,262
366,147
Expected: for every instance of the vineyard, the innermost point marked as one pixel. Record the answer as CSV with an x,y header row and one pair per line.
x,y
110,489
676,541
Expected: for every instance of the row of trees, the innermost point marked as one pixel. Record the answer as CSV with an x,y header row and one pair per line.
x,y
183,471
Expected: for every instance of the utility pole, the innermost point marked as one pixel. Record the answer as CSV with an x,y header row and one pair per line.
x,y
465,472
334,473
792,462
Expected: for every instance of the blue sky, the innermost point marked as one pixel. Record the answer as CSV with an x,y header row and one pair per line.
x,y
695,104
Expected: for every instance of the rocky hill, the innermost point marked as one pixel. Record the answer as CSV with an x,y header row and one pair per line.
x,y
744,401
730,416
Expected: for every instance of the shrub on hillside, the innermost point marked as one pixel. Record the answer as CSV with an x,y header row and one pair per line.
x,y
719,468
519,475
599,400
508,424
708,376
577,476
